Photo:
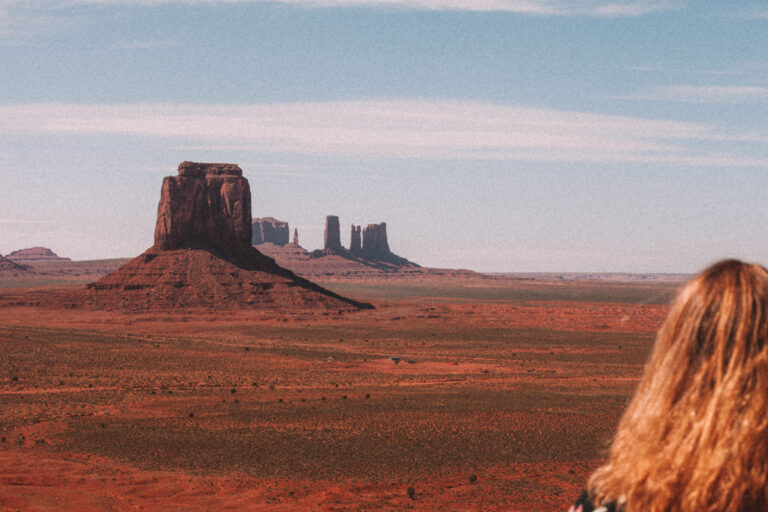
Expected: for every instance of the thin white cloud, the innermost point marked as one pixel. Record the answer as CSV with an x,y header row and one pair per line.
x,y
26,221
427,129
744,69
704,94
598,8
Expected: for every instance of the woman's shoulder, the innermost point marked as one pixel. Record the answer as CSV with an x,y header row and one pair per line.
x,y
584,504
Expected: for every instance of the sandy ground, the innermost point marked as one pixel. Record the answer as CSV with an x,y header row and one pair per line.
x,y
474,402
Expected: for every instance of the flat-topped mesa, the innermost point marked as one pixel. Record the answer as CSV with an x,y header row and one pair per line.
x,y
332,234
355,244
35,254
201,170
269,229
207,206
375,245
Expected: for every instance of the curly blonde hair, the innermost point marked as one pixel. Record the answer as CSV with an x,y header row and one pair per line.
x,y
695,435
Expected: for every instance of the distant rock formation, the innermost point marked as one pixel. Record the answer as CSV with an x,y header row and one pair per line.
x,y
34,254
375,245
208,207
295,237
269,229
332,234
203,257
355,244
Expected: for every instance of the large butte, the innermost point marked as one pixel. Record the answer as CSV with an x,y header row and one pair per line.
x,y
202,256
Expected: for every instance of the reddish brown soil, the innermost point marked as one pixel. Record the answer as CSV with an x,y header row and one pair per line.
x,y
263,410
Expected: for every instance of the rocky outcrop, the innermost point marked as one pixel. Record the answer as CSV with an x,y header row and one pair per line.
x,y
295,237
355,243
375,245
35,254
203,257
208,207
332,234
269,229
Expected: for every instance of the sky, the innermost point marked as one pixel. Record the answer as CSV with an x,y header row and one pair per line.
x,y
494,135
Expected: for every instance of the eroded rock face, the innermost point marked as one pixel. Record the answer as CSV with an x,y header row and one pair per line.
x,y
355,243
295,236
269,229
375,244
332,233
207,206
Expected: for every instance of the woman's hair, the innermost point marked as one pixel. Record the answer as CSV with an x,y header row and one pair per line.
x,y
695,436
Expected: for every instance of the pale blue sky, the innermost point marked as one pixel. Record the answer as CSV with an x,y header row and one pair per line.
x,y
497,135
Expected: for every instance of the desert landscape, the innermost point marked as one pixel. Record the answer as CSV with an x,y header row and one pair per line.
x,y
356,255
478,395
203,375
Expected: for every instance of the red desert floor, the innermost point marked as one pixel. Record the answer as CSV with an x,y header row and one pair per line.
x,y
500,398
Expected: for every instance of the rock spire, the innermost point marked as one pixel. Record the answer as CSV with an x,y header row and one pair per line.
x,y
332,234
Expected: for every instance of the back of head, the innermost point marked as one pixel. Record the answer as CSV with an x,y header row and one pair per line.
x,y
695,436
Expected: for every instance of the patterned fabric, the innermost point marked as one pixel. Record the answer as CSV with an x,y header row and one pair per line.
x,y
583,504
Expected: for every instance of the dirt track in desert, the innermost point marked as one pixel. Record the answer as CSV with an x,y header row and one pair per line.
x,y
478,395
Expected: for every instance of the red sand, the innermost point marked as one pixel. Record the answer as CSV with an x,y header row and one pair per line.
x,y
261,410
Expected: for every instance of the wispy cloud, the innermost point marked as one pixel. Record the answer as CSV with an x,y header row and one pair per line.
x,y
744,69
428,129
704,94
599,8
26,222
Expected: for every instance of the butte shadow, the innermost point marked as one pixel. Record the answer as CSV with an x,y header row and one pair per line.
x,y
203,258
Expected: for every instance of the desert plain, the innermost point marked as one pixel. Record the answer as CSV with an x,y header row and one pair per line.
x,y
457,392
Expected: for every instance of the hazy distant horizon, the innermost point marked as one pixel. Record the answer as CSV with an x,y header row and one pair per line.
x,y
493,135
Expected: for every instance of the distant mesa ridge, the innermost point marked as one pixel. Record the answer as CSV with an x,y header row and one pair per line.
x,y
33,254
271,230
369,244
203,255
368,255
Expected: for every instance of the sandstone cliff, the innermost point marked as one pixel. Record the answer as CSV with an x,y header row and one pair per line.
x,y
207,206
